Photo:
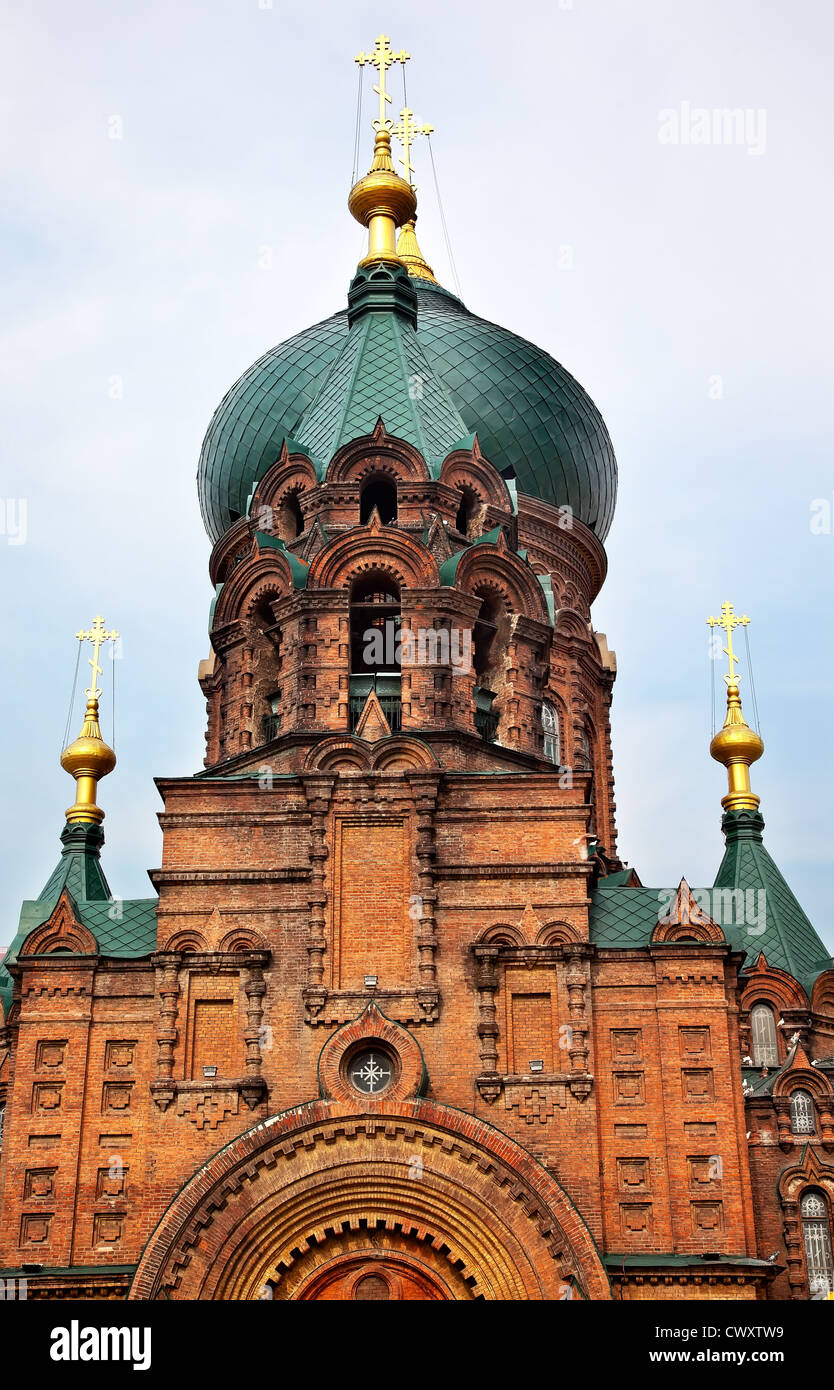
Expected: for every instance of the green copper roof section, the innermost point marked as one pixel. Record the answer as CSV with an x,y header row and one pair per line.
x,y
702,1263
299,569
79,868
624,918
448,569
529,413
257,414
123,928
774,922
546,582
749,900
756,1084
382,372
218,589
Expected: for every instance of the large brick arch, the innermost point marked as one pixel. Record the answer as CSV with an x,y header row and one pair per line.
x,y
283,1201
374,547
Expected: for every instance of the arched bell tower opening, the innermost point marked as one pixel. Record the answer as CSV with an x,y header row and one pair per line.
x,y
466,514
378,492
489,640
290,519
375,646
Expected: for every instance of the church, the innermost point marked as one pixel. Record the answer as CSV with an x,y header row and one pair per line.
x,y
397,1023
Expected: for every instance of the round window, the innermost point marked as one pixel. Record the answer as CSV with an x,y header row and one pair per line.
x,y
370,1071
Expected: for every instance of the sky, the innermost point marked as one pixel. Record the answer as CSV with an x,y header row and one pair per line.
x,y
175,179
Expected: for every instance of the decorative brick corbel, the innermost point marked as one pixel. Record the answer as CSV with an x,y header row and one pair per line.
x,y
793,1247
782,1106
254,988
826,1114
424,787
318,790
486,981
576,980
166,968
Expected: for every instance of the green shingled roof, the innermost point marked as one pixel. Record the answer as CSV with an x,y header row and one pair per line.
x,y
123,928
299,569
529,413
382,372
788,940
624,918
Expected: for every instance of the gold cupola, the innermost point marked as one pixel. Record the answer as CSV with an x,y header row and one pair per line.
x,y
735,745
382,202
88,758
410,254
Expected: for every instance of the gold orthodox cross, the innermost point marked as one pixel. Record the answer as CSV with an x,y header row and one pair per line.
x,y
381,59
406,131
728,621
98,636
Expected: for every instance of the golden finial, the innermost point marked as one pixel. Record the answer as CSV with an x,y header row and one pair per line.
x,y
382,201
89,758
736,745
382,58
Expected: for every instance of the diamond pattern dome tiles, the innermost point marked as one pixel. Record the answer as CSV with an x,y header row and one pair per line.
x,y
528,411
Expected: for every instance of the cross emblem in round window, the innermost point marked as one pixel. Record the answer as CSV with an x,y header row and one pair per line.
x,y
370,1072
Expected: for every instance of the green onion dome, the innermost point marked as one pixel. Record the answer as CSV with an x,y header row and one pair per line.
x,y
531,417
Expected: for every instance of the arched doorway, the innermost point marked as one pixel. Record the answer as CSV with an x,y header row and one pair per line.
x,y
382,1278
433,1202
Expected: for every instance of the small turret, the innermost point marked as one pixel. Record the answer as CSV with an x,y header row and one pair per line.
x,y
88,758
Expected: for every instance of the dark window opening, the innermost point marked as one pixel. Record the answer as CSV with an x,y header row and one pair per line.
x,y
272,720
290,518
487,718
375,647
382,494
466,512
483,638
375,626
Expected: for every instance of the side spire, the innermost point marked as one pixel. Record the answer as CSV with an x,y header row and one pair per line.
x,y
408,251
406,131
736,745
89,758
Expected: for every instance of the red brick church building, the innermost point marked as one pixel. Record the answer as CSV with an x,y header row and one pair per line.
x,y
398,1023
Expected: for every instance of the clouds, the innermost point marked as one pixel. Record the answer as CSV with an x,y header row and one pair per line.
x,y
693,307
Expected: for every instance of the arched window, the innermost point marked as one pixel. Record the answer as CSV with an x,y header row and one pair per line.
x,y
483,640
466,512
586,749
375,647
585,763
382,494
371,1286
489,636
765,1041
266,692
803,1120
816,1236
290,521
550,729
